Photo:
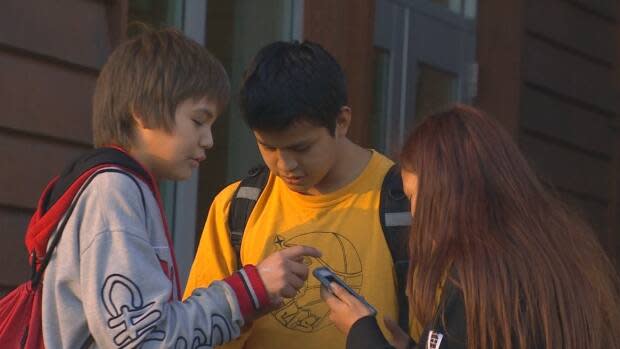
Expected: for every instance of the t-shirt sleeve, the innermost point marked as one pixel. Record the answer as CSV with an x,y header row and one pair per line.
x,y
215,258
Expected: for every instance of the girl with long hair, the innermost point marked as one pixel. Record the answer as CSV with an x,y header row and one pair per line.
x,y
496,260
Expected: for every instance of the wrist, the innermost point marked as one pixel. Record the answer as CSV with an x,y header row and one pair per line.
x,y
250,290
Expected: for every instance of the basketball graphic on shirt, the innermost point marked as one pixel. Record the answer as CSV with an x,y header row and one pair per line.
x,y
307,312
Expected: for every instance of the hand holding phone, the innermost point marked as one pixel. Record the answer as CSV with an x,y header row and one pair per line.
x,y
326,277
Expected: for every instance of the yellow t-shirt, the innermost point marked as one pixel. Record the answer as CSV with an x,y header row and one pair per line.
x,y
344,225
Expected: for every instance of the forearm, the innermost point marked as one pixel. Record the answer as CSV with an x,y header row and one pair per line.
x,y
365,334
208,318
130,298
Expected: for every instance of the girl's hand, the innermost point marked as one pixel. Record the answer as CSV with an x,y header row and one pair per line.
x,y
400,339
345,309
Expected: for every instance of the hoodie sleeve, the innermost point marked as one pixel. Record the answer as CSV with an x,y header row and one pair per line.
x,y
127,297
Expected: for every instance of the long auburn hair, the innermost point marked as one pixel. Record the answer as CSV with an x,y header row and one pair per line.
x,y
531,272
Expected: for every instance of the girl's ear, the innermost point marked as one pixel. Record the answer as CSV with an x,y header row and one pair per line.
x,y
343,121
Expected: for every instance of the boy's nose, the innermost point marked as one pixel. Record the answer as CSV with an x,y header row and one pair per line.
x,y
286,162
206,139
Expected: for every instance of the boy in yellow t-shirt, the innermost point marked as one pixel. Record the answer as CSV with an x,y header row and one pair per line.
x,y
323,191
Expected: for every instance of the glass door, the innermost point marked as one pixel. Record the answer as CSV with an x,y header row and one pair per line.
x,y
179,198
425,61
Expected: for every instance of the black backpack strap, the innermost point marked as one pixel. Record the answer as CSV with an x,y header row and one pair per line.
x,y
37,274
89,160
395,215
243,203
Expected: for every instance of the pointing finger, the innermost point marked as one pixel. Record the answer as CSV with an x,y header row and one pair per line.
x,y
297,252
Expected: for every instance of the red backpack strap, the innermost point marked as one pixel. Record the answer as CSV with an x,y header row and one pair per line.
x,y
43,223
61,191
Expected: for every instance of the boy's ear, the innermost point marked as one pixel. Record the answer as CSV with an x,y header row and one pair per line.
x,y
343,121
137,117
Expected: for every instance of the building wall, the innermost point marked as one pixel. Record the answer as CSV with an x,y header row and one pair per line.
x,y
345,28
569,104
50,54
549,71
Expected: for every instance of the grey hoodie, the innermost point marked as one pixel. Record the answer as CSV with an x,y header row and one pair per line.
x,y
106,279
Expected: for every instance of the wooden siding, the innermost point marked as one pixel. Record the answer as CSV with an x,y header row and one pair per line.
x,y
550,72
345,28
13,254
613,240
69,31
569,103
499,56
43,99
50,54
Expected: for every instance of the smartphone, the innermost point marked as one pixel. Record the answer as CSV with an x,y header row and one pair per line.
x,y
326,277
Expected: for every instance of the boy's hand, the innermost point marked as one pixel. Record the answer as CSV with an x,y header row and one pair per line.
x,y
284,272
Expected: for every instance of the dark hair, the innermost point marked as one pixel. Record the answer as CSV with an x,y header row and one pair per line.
x,y
531,273
151,74
288,82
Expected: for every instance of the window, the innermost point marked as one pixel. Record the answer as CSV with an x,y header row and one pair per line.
x,y
434,89
466,8
155,13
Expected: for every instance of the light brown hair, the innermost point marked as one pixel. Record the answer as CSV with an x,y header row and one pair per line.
x,y
151,74
532,274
